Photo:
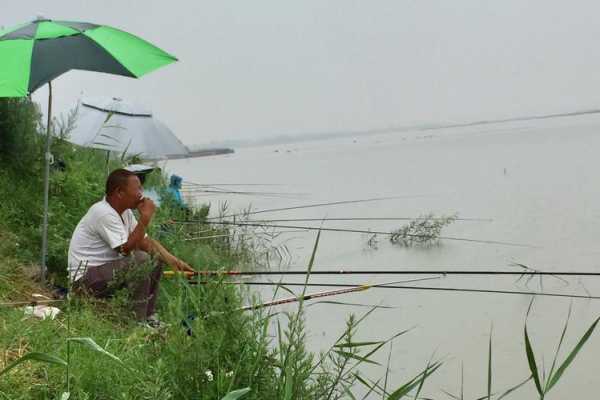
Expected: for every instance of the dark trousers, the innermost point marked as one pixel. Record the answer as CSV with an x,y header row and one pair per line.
x,y
138,272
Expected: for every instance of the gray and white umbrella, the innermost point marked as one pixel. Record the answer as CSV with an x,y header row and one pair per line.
x,y
116,125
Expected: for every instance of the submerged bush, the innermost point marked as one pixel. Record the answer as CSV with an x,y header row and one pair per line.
x,y
422,231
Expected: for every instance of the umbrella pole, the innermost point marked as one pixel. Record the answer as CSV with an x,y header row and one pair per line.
x,y
47,158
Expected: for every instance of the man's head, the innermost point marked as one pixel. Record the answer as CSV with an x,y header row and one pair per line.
x,y
124,188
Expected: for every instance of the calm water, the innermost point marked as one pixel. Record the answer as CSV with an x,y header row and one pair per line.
x,y
538,183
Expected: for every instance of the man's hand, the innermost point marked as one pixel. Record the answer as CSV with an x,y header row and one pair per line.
x,y
135,240
146,207
183,266
154,247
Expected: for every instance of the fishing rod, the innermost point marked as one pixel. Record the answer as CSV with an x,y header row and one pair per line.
x,y
193,238
195,282
198,194
189,183
190,191
187,321
310,296
204,193
334,203
314,228
372,219
392,285
385,272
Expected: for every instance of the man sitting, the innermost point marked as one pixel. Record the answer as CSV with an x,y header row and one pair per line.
x,y
108,241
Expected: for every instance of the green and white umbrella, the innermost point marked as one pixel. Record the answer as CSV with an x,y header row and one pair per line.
x,y
35,53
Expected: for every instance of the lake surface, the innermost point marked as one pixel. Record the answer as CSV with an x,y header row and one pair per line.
x,y
536,181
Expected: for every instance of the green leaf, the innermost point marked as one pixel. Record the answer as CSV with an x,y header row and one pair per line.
x,y
343,303
372,386
422,381
376,348
109,116
356,344
312,261
363,317
314,252
562,336
414,382
289,384
355,357
387,369
34,356
65,396
236,394
279,285
89,342
281,345
452,396
427,367
348,392
554,379
532,365
104,135
125,151
512,389
114,127
340,338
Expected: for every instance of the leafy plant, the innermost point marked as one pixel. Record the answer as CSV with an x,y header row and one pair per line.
x,y
422,231
544,383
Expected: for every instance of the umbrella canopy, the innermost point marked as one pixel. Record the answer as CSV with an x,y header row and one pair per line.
x,y
117,125
35,53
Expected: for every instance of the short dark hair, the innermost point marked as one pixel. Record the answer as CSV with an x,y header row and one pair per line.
x,y
118,178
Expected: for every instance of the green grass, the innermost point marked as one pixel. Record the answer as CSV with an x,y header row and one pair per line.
x,y
94,350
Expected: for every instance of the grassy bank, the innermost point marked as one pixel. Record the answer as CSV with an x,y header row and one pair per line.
x,y
149,365
94,350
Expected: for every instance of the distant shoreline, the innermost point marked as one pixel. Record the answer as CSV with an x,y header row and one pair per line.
x,y
203,153
287,139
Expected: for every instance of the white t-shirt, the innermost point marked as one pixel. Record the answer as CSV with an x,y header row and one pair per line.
x,y
96,237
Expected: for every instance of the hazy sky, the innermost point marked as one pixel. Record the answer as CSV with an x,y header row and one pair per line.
x,y
261,68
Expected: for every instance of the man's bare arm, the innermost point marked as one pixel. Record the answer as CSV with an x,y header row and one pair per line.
x,y
153,247
146,209
138,239
135,239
